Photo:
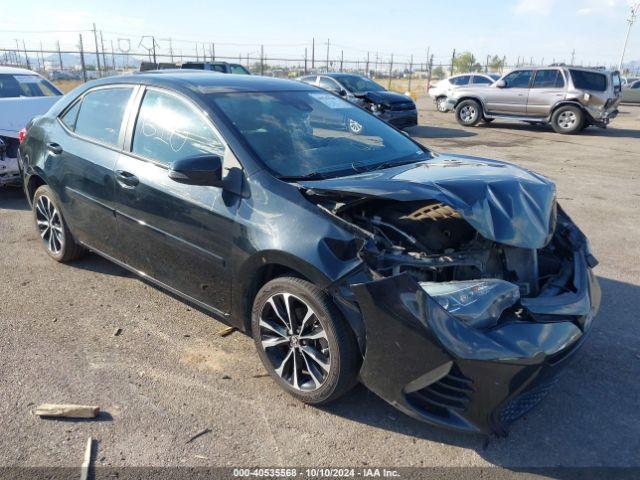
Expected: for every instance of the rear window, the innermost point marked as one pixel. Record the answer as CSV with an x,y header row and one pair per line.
x,y
12,86
589,80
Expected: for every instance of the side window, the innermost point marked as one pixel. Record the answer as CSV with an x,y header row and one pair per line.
x,y
71,115
462,80
311,80
584,80
101,113
216,67
519,79
238,69
548,79
480,80
636,86
169,129
329,84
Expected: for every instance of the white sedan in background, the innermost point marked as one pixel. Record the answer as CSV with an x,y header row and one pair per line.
x,y
23,95
444,87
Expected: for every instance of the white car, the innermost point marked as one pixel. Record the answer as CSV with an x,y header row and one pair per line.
x,y
444,87
23,95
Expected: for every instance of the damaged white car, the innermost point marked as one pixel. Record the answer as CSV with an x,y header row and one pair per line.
x,y
23,95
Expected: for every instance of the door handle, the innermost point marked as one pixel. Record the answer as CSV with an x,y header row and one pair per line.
x,y
54,148
126,179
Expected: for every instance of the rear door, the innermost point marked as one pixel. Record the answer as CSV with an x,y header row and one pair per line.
x,y
82,155
512,98
180,235
547,89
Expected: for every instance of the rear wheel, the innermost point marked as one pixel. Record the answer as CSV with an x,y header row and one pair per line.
x,y
468,113
441,104
56,237
567,119
303,341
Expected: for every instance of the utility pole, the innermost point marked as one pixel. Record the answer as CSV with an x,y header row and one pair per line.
x,y
367,73
171,49
60,56
573,56
375,70
327,55
18,62
453,59
486,66
390,72
410,73
113,57
84,67
341,59
153,46
24,47
305,60
313,54
261,59
632,18
104,58
430,70
213,52
95,39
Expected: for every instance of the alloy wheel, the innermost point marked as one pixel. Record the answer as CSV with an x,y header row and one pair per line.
x,y
441,104
295,342
468,113
567,119
49,224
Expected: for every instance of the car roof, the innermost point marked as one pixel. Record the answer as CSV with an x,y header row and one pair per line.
x,y
339,75
207,82
17,71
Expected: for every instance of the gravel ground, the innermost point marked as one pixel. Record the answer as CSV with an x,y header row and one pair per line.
x,y
169,375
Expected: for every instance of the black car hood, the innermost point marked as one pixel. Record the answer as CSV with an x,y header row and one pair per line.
x,y
501,201
384,97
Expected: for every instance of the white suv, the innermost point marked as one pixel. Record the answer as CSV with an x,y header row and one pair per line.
x,y
444,87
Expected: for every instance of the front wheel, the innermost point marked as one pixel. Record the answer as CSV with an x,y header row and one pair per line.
x,y
468,113
441,104
568,119
303,341
54,232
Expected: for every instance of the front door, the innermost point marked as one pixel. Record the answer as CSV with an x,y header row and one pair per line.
x,y
180,235
87,148
547,89
511,99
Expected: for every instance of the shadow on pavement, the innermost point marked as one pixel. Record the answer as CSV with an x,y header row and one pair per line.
x,y
589,420
12,198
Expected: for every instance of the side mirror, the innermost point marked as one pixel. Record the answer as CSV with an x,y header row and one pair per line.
x,y
198,170
501,84
342,92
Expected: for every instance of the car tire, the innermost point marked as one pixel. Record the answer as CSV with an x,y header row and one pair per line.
x,y
441,104
322,350
567,119
56,238
468,113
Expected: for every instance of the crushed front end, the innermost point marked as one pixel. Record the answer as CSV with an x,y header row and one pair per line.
x,y
469,313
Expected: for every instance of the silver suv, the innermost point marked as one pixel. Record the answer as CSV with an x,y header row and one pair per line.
x,y
568,98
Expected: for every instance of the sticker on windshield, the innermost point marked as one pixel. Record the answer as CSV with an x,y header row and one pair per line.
x,y
331,101
355,127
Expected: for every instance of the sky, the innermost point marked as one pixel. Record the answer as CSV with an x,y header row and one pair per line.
x,y
542,29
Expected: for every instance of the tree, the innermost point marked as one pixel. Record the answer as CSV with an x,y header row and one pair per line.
x,y
466,62
496,63
438,72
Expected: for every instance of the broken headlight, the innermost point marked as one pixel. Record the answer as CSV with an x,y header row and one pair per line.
x,y
376,108
479,303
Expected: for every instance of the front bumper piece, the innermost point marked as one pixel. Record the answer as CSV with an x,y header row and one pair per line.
x,y
9,169
437,368
401,118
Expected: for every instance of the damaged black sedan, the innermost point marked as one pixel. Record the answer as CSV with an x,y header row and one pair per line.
x,y
453,287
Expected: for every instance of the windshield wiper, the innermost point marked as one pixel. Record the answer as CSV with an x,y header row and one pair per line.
x,y
306,176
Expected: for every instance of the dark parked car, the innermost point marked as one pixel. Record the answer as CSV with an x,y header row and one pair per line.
x,y
454,287
394,108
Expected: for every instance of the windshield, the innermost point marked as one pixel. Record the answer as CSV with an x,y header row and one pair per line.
x,y
305,134
357,84
495,76
25,86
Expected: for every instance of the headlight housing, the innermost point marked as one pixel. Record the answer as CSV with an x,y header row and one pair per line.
x,y
478,303
376,108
